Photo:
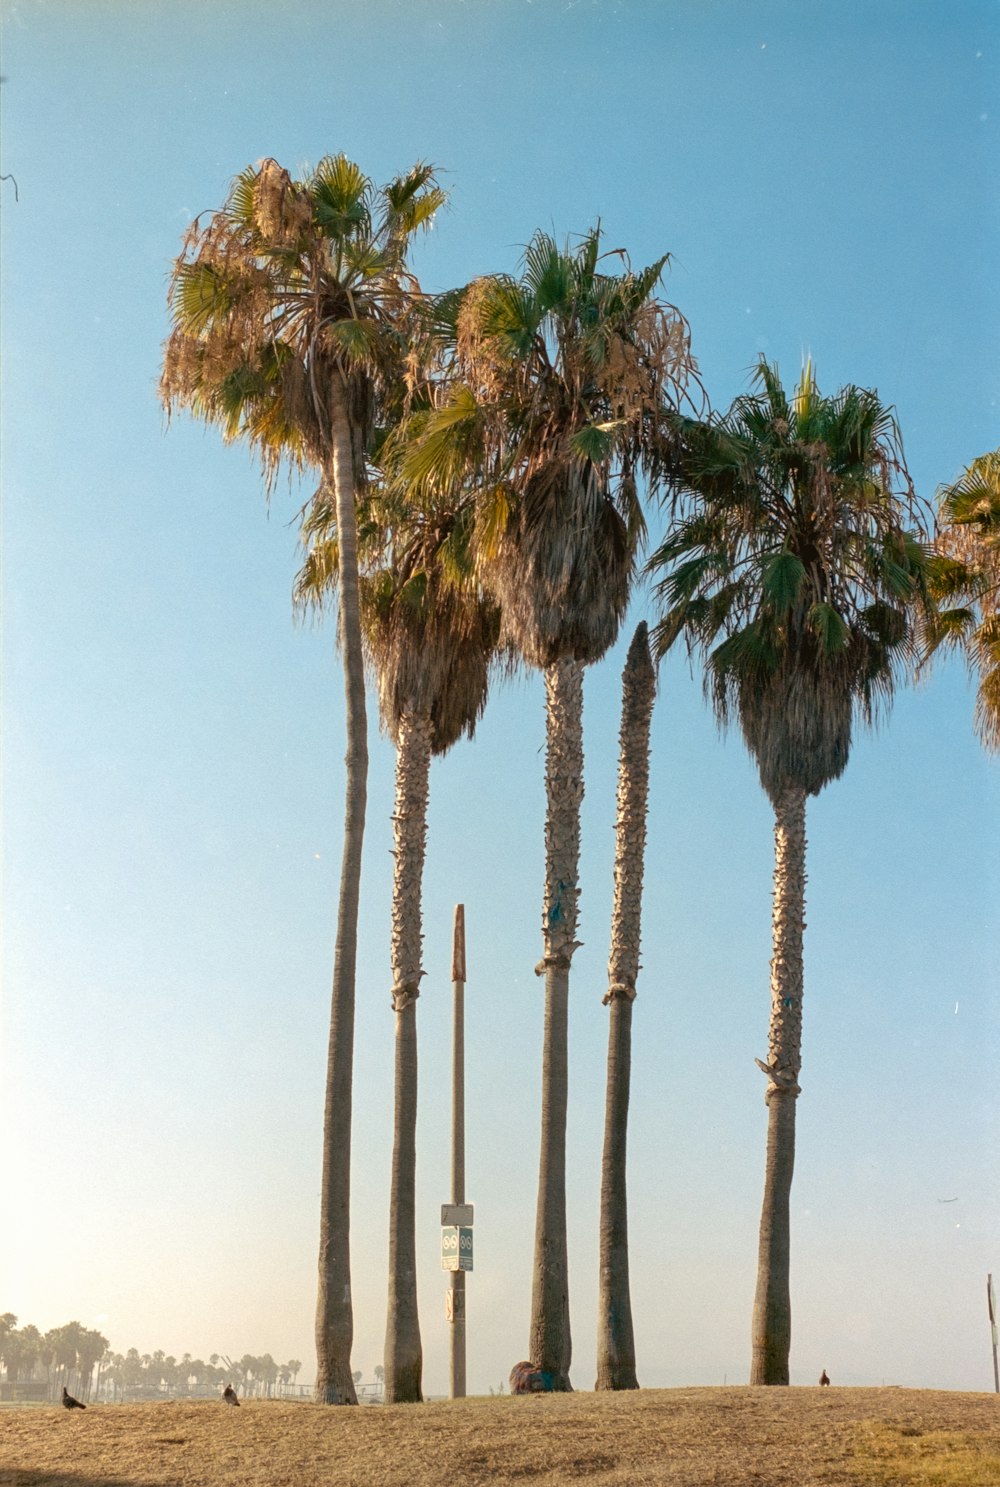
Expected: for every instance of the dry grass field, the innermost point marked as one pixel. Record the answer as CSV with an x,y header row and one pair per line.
x,y
729,1437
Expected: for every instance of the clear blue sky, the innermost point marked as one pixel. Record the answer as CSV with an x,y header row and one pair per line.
x,y
824,176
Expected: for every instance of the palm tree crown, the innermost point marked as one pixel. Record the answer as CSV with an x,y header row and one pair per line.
x,y
794,566
558,383
289,280
965,578
429,634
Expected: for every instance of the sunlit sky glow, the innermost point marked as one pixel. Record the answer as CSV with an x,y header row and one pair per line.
x,y
173,742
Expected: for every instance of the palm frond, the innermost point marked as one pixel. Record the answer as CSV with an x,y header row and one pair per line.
x,y
829,629
241,202
781,581
548,273
341,198
597,441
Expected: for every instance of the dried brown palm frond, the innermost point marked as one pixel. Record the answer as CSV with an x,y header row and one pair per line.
x,y
433,651
561,568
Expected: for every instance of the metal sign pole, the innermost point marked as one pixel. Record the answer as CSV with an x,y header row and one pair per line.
x,y
456,1296
992,1304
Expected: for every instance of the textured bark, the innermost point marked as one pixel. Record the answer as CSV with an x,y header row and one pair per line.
x,y
403,1353
550,1345
772,1310
334,1307
615,1335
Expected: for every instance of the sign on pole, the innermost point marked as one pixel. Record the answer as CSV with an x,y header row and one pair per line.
x,y
456,1214
456,1248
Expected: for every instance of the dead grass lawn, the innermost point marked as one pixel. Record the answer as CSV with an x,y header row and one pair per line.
x,y
737,1437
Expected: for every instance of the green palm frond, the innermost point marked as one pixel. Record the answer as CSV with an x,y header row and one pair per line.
x,y
421,210
405,189
503,310
781,582
672,624
316,581
829,629
894,565
748,654
640,286
437,445
954,628
411,202
548,273
776,399
363,259
342,196
586,259
597,441
355,342
203,292
687,579
974,499
242,199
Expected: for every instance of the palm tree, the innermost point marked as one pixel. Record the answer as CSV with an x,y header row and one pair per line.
x,y
794,567
20,1348
431,639
91,1348
965,575
560,378
615,1337
64,1343
291,312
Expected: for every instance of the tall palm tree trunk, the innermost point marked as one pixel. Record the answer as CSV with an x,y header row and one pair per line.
x,y
615,1336
772,1309
403,1355
550,1344
334,1309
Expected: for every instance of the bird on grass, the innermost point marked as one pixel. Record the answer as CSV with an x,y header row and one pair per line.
x,y
229,1395
823,1378
69,1403
525,1378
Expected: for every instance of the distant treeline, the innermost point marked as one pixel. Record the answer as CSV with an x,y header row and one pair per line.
x,y
37,1365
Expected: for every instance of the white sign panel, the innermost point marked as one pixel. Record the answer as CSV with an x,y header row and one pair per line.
x,y
459,1214
456,1248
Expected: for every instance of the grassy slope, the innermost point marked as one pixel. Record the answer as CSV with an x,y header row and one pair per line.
x,y
674,1437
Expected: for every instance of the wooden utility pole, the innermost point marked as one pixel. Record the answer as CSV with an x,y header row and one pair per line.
x,y
456,1309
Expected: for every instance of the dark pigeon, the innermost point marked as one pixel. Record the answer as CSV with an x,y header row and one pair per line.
x,y
229,1395
823,1377
525,1378
69,1403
